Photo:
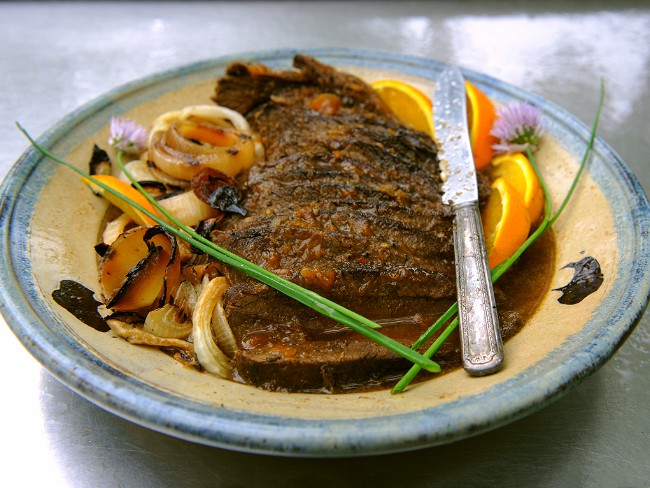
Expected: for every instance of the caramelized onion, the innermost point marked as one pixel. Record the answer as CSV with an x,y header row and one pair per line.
x,y
207,350
115,228
139,169
140,270
185,297
136,335
166,322
222,331
185,142
165,178
216,114
188,209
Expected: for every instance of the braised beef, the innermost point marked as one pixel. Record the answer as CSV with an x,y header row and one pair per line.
x,y
347,203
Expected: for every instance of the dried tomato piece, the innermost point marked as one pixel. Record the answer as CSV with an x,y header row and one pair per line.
x,y
218,190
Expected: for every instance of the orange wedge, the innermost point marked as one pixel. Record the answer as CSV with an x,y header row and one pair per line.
x,y
480,118
410,105
129,192
517,170
506,223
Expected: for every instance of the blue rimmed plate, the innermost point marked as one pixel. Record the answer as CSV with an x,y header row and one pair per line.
x,y
43,243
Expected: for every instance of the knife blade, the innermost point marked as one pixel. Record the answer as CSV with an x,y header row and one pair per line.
x,y
481,346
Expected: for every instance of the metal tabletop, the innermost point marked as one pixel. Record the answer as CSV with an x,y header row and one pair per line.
x,y
56,56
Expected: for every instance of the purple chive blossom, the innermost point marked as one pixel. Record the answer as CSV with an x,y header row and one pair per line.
x,y
127,136
518,126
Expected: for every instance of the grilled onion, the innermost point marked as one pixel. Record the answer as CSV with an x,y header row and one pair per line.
x,y
183,143
136,335
208,351
222,331
140,171
140,270
166,322
187,208
115,228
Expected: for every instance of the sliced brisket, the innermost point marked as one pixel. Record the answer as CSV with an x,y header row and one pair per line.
x,y
347,203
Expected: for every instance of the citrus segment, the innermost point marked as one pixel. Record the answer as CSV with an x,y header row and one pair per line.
x,y
129,192
506,223
517,170
410,105
480,118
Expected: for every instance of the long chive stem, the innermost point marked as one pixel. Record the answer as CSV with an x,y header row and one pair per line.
x,y
502,267
592,138
307,297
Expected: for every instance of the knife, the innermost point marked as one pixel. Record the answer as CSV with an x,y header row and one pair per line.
x,y
481,345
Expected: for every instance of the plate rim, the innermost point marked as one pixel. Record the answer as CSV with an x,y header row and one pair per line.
x,y
238,430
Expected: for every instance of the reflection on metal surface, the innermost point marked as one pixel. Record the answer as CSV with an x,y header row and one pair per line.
x,y
530,50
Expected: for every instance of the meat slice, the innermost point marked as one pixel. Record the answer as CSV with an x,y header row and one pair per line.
x,y
347,203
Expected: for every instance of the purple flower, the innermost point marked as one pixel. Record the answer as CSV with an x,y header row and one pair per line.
x,y
518,126
127,136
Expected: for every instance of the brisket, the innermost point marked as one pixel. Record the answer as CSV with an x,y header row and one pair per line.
x,y
347,203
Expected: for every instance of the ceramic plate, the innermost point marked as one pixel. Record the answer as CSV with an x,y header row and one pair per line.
x,y
43,243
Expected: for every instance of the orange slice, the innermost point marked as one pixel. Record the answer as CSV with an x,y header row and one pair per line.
x,y
410,105
480,118
506,223
129,192
517,170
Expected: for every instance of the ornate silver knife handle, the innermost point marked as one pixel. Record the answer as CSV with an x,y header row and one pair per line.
x,y
481,345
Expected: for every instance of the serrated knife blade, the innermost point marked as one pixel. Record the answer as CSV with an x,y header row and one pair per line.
x,y
481,346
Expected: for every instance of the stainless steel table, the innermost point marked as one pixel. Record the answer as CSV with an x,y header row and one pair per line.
x,y
56,56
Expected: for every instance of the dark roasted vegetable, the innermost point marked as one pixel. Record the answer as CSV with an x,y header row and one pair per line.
x,y
100,163
140,270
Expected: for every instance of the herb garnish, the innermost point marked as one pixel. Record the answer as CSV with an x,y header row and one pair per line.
x,y
518,128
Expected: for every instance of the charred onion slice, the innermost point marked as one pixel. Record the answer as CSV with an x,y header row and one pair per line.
x,y
140,270
100,163
202,136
